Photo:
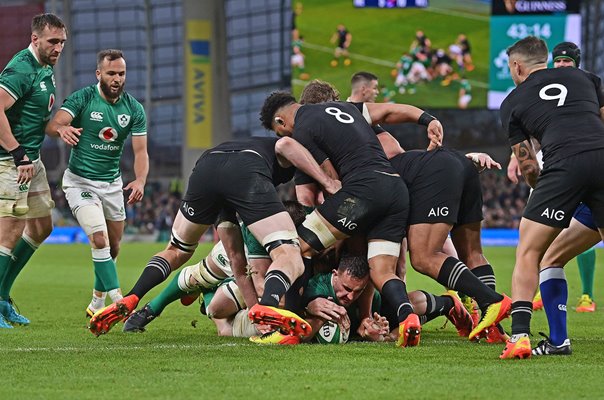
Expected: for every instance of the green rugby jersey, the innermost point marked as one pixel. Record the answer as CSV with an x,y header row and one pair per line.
x,y
320,285
33,88
465,85
406,63
105,127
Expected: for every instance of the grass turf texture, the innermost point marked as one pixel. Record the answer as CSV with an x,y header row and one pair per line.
x,y
57,358
380,36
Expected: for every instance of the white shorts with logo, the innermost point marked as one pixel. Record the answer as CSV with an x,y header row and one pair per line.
x,y
13,195
80,191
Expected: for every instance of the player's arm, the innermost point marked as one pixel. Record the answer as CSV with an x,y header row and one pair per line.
x,y
513,170
527,161
348,40
25,168
390,145
141,169
390,113
290,152
60,126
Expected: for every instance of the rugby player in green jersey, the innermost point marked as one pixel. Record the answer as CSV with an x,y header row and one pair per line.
x,y
96,121
27,94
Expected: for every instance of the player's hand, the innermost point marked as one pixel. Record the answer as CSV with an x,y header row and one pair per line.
x,y
514,170
374,329
69,134
483,161
435,134
25,173
138,191
326,309
333,186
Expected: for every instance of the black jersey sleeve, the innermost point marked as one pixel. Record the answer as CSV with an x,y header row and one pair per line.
x,y
599,90
511,124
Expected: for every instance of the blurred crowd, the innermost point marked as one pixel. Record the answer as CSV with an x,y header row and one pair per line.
x,y
503,201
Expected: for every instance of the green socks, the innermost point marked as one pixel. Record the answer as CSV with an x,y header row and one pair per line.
x,y
21,254
587,269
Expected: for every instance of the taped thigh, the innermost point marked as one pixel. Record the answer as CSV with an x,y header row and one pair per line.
x,y
231,290
279,238
91,218
382,247
314,232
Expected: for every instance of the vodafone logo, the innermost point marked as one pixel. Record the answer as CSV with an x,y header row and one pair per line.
x,y
108,134
51,101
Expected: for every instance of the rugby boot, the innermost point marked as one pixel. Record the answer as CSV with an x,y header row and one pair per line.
x,y
537,302
409,331
546,348
496,334
4,323
494,314
586,304
276,337
459,316
137,321
518,346
90,311
7,309
470,305
288,322
103,320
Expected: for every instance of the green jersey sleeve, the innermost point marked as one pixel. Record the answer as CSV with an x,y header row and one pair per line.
x,y
139,123
16,81
76,102
319,286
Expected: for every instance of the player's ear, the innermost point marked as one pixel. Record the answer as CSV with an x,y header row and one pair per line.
x,y
279,121
98,75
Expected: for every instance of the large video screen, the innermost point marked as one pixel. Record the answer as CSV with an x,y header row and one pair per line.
x,y
429,53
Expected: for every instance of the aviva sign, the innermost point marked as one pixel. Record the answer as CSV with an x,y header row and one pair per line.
x,y
198,60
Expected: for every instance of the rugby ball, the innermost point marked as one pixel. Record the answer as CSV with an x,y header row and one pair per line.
x,y
332,333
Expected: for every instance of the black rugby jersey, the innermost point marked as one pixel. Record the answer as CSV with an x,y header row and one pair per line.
x,y
560,108
263,146
338,131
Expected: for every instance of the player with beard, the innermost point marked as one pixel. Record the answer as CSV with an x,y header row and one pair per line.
x,y
96,121
27,94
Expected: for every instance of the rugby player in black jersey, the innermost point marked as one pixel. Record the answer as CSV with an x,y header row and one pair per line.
x,y
373,199
445,196
233,177
560,109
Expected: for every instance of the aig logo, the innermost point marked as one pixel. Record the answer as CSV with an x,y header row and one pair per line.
x,y
188,209
96,116
438,212
558,215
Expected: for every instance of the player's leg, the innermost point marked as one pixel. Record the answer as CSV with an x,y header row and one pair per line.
x,y
38,227
430,306
86,206
277,234
535,238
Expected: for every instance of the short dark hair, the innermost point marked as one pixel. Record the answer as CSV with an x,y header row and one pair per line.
x,y
531,48
362,76
109,54
318,91
40,21
295,210
272,104
357,267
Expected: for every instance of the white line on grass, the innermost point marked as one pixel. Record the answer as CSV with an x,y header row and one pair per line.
x,y
372,60
122,347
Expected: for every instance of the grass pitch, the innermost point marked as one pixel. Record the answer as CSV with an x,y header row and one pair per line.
x,y
380,36
57,358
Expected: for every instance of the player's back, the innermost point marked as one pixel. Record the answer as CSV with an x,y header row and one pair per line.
x,y
560,108
339,131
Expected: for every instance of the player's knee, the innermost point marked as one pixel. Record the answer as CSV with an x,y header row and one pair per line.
x,y
99,240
